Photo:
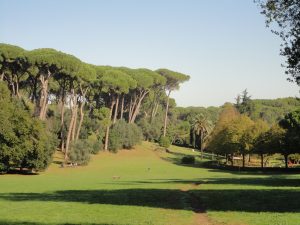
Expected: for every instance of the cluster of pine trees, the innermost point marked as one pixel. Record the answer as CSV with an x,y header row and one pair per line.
x,y
80,104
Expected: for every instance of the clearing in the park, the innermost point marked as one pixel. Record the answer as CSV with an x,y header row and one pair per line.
x,y
146,185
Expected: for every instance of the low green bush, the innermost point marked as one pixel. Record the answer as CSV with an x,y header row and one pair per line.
x,y
164,142
188,159
124,135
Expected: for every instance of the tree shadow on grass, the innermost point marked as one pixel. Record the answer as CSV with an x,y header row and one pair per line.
x,y
247,200
6,222
271,181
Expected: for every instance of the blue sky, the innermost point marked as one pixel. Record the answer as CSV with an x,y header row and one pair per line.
x,y
222,44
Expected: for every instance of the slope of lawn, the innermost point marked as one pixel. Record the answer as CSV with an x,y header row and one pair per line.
x,y
147,186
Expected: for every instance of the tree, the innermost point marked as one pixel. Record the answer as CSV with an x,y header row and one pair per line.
x,y
173,80
250,135
12,67
291,123
285,13
202,127
24,141
115,82
244,103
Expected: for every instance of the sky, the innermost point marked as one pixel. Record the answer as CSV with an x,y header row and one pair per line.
x,y
223,45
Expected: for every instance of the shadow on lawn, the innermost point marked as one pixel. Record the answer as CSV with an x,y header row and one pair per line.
x,y
270,181
248,200
35,223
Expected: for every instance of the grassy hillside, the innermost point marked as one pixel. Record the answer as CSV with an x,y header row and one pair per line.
x,y
148,186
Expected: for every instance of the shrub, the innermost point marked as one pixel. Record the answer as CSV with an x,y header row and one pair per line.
x,y
124,135
80,152
164,142
94,143
188,159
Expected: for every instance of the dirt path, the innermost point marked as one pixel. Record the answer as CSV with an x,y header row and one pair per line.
x,y
200,217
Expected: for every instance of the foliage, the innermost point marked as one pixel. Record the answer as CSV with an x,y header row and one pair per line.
x,y
188,159
24,141
286,16
164,142
80,152
124,135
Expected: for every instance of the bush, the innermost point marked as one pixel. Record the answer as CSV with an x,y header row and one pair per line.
x,y
94,143
24,141
80,152
188,159
124,135
164,142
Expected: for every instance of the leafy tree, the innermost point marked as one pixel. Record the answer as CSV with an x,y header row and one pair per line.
x,y
250,135
164,142
24,141
291,123
285,13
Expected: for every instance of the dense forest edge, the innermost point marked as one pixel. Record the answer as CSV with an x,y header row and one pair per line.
x,y
52,101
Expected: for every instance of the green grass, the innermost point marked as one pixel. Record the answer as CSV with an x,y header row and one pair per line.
x,y
149,191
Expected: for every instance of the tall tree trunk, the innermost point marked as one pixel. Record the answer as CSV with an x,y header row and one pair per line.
x,y
83,94
62,125
262,160
75,123
71,125
286,161
138,106
243,159
44,95
166,115
116,109
17,87
122,107
2,76
108,127
201,144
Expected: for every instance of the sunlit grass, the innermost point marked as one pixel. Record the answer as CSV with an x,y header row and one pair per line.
x,y
142,186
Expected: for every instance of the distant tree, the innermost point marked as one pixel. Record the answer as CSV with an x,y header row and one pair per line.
x,y
244,103
250,135
291,123
202,127
285,13
174,79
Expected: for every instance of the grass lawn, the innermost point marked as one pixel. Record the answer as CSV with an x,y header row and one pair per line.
x,y
148,186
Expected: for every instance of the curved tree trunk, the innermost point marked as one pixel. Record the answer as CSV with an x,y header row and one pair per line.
x,y
83,94
116,110
166,115
44,95
122,107
108,127
72,122
136,104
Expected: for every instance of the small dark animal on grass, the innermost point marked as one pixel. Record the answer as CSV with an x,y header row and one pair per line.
x,y
116,177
